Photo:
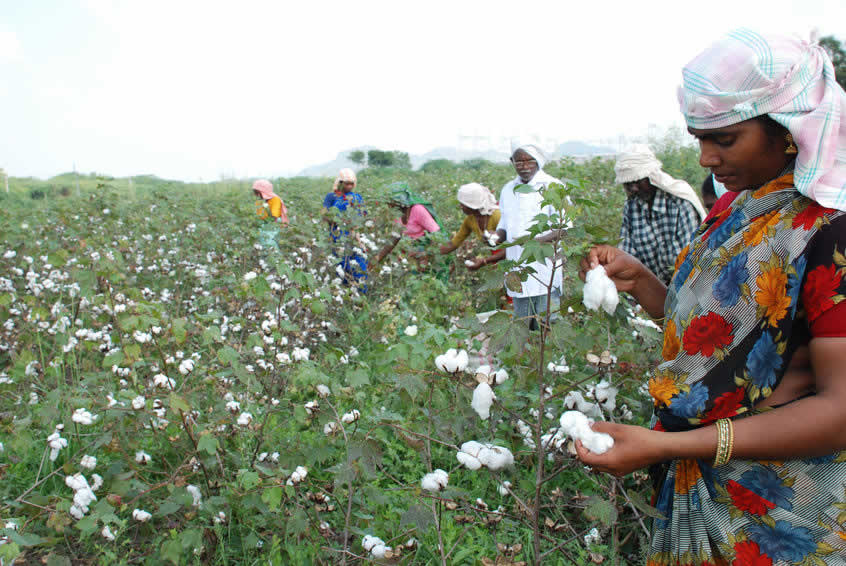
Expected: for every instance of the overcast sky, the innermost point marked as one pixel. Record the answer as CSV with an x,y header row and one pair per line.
x,y
193,90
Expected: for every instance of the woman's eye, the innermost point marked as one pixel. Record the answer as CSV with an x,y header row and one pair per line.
x,y
724,141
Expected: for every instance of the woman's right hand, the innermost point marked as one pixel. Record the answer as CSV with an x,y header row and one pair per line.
x,y
623,269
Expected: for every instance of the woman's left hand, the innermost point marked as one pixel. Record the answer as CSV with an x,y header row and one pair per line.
x,y
635,447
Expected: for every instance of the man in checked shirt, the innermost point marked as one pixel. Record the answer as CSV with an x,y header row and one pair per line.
x,y
660,214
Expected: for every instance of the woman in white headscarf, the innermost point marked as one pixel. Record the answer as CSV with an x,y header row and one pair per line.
x,y
748,448
481,218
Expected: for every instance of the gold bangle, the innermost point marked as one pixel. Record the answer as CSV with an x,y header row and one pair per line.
x,y
725,442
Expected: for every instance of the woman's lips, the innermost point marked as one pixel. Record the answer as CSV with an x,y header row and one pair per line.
x,y
724,179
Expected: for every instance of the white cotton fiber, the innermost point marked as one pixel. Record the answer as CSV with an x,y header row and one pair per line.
x,y
474,455
483,397
435,481
470,462
575,400
577,426
600,291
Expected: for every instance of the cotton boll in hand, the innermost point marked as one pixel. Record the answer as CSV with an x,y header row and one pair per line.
x,y
577,426
600,291
483,397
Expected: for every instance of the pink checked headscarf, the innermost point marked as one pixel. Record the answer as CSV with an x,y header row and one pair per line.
x,y
265,189
345,175
745,75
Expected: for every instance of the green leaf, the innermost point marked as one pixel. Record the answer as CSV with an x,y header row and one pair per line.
x,y
208,443
171,551
177,403
601,510
272,497
168,507
297,524
8,552
358,377
227,355
412,383
58,560
113,359
178,330
418,516
248,479
643,506
133,352
211,334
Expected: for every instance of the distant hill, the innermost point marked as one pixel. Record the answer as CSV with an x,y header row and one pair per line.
x,y
568,148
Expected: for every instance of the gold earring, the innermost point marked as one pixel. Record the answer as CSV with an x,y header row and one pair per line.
x,y
791,146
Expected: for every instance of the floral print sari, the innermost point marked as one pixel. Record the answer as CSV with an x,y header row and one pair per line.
x,y
745,295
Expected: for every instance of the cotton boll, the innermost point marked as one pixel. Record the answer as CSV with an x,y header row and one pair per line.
x,y
483,397
369,541
470,462
600,290
435,481
496,457
379,550
107,533
469,262
411,330
195,494
503,488
461,360
598,442
577,426
575,400
501,376
141,516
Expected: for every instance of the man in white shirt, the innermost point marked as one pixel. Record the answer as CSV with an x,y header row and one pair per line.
x,y
518,210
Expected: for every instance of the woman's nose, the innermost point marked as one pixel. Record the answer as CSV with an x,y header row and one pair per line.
x,y
709,156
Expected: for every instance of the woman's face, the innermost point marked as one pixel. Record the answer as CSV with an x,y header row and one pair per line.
x,y
742,155
467,210
347,186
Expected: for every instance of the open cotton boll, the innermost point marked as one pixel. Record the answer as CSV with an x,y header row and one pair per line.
x,y
435,481
483,397
496,457
575,400
469,262
600,291
379,550
577,426
369,541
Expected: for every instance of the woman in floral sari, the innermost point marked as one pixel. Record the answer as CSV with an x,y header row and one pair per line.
x,y
748,447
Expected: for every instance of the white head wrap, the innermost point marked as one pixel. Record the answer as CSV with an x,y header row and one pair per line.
x,y
745,75
478,197
345,175
638,162
531,149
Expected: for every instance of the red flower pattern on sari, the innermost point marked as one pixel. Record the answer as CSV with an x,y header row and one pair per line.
x,y
748,553
706,333
808,217
725,406
819,290
747,500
